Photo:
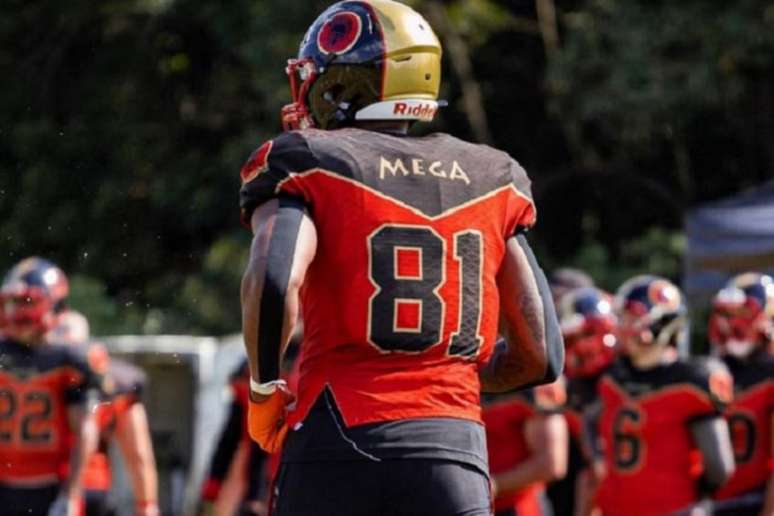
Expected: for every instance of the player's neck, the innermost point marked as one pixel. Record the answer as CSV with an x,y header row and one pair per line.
x,y
385,126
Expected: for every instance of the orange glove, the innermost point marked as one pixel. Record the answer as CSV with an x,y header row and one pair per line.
x,y
266,419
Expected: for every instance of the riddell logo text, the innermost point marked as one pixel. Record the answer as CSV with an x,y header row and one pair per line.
x,y
419,110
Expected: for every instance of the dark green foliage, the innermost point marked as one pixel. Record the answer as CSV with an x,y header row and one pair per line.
x,y
123,125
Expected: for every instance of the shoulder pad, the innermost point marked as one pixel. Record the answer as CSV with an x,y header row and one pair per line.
x,y
523,186
270,167
127,378
711,375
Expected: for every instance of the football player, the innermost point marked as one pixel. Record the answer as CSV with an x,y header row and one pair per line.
x,y
44,398
740,329
589,330
236,474
527,446
402,252
119,415
664,441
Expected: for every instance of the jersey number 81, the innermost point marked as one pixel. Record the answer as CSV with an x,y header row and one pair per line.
x,y
407,265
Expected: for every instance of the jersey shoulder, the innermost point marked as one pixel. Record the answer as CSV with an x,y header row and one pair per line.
x,y
707,374
269,166
749,373
62,355
127,378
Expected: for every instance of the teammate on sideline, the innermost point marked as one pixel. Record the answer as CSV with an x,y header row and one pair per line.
x,y
45,419
589,329
741,327
402,252
120,415
527,445
658,410
236,476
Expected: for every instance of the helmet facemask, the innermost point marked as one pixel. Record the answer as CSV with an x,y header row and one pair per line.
x,y
27,313
738,324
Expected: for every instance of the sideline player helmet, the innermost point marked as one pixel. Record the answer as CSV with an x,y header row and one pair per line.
x,y
565,279
588,327
31,294
651,309
742,315
364,60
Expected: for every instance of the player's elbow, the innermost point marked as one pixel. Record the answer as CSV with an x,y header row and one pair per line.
x,y
545,361
549,467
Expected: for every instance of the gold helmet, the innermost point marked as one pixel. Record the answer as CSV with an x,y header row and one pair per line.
x,y
364,60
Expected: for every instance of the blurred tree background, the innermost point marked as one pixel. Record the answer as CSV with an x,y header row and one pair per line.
x,y
123,125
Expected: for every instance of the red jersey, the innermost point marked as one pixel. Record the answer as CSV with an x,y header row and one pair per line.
x,y
652,463
122,386
749,421
505,421
37,385
400,303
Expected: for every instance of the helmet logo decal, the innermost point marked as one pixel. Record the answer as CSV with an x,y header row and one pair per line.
x,y
664,294
258,163
339,33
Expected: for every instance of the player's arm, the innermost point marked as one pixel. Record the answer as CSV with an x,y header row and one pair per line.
x,y
546,437
768,502
85,434
133,437
710,434
225,451
533,352
283,247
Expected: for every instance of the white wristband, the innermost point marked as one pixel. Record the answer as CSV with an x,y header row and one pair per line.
x,y
266,389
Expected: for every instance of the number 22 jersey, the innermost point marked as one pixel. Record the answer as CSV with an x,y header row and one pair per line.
x,y
37,385
400,303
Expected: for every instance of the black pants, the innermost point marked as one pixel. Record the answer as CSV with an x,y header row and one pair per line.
x,y
16,501
97,503
398,487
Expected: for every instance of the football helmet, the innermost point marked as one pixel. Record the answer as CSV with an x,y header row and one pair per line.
x,y
588,327
651,311
742,317
31,294
364,60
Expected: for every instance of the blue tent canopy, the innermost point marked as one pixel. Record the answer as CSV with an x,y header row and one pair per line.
x,y
728,237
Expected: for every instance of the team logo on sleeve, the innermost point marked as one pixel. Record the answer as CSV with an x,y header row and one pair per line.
x,y
257,164
340,33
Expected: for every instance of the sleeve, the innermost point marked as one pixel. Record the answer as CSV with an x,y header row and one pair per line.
x,y
553,334
522,214
80,378
271,170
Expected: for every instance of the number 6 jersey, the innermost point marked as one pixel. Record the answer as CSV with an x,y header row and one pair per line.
x,y
400,304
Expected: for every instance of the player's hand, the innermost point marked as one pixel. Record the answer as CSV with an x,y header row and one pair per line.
x,y
266,420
